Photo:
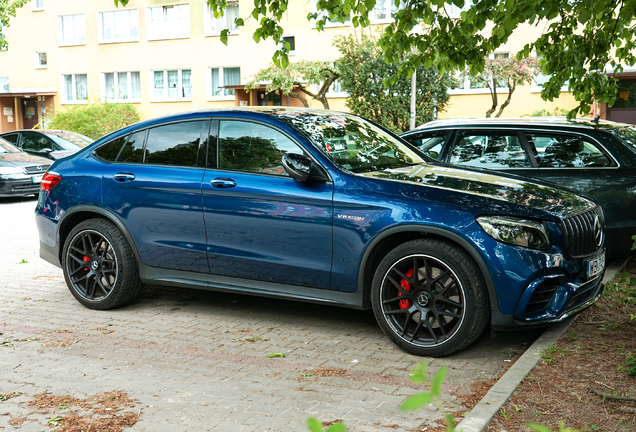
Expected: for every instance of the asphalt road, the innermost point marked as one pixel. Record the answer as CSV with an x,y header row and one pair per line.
x,y
198,360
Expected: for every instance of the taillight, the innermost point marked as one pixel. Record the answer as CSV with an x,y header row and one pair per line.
x,y
49,181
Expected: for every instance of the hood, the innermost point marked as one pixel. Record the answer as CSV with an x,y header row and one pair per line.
x,y
479,189
23,158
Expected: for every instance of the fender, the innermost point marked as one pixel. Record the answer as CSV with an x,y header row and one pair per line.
x,y
107,214
441,232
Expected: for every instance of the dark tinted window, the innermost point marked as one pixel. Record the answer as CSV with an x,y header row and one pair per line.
x,y
35,142
566,151
246,146
174,144
489,150
12,138
109,151
133,151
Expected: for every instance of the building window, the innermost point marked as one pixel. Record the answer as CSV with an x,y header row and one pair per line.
x,y
220,77
118,26
322,14
4,84
385,10
40,60
169,22
72,30
214,26
291,40
171,85
37,5
74,88
121,87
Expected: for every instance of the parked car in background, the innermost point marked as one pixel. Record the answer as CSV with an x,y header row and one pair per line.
x,y
51,144
20,172
253,201
598,159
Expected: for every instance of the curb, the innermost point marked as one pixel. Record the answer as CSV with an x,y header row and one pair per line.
x,y
482,414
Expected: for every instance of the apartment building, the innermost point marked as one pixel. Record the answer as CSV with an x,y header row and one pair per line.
x,y
166,56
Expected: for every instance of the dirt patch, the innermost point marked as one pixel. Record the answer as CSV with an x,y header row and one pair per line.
x,y
105,412
578,381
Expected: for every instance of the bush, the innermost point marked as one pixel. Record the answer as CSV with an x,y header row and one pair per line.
x,y
95,119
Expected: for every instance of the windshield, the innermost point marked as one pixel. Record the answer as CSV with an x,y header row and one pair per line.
x,y
68,142
352,142
6,147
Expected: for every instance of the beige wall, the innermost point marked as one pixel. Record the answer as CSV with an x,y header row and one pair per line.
x,y
33,31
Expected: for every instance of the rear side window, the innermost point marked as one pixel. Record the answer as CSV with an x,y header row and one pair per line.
x,y
35,142
109,151
566,151
133,151
491,150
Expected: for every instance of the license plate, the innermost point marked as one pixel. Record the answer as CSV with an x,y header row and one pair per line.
x,y
595,266
37,178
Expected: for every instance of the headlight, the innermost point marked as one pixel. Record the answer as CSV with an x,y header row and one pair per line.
x,y
521,232
10,172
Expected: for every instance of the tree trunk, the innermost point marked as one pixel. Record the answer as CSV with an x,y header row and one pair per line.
x,y
493,95
511,89
300,98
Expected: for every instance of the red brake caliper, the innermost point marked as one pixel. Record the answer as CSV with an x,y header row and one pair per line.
x,y
405,303
86,259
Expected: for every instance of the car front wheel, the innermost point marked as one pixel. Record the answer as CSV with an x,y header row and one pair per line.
x,y
429,298
99,265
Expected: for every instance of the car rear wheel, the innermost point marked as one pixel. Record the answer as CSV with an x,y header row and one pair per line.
x,y
429,298
99,265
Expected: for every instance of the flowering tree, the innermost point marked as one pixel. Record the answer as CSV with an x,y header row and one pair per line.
x,y
504,73
301,76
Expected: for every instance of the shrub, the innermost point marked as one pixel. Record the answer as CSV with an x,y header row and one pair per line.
x,y
94,119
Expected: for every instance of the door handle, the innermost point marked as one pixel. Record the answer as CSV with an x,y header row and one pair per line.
x,y
223,183
124,177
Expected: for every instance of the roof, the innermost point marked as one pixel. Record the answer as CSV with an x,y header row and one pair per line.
x,y
534,121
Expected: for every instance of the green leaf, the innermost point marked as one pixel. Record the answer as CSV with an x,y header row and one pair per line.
x,y
224,36
418,375
314,424
539,428
275,355
416,401
438,379
337,427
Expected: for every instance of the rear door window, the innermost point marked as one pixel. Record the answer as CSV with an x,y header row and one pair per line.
x,y
489,150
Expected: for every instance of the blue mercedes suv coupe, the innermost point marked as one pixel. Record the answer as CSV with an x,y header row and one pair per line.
x,y
319,206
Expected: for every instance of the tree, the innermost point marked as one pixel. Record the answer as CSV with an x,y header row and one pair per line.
x,y
298,75
363,73
94,119
504,73
581,38
8,9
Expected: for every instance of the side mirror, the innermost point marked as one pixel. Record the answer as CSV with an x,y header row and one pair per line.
x,y
46,150
297,166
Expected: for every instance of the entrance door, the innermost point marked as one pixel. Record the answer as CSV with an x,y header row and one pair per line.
x,y
29,113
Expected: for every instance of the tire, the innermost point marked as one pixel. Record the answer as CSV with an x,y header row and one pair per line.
x,y
441,310
99,265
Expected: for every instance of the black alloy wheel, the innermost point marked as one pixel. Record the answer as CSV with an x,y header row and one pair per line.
x,y
99,266
428,297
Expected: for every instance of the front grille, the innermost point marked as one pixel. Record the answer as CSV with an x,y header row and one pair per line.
x,y
541,296
36,169
580,232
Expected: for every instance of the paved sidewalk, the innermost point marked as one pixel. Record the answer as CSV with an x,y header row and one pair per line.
x,y
198,360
